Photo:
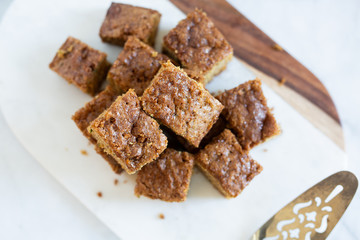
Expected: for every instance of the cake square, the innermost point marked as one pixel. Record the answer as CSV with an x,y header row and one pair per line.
x,y
124,20
248,115
198,45
81,65
181,104
135,66
229,168
167,178
130,136
85,115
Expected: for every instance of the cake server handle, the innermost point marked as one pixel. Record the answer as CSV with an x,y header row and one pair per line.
x,y
313,214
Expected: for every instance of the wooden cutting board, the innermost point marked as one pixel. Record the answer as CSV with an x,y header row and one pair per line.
x,y
272,64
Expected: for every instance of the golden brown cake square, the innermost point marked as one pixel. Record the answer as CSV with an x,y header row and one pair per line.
x,y
248,115
81,65
227,165
123,20
181,104
167,178
85,115
135,66
198,45
129,135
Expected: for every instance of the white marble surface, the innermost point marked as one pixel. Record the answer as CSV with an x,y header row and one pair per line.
x,y
324,35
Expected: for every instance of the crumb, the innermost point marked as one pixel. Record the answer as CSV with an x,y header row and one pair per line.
x,y
99,194
66,149
116,182
265,150
161,216
282,81
84,152
277,47
154,54
70,48
125,181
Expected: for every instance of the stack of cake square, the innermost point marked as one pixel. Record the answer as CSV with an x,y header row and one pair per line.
x,y
151,97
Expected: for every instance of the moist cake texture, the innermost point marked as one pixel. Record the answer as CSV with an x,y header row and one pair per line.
x,y
227,165
85,115
135,66
81,65
248,115
167,178
198,45
181,104
124,20
129,135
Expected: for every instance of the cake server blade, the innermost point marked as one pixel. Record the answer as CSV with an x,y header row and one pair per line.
x,y
313,214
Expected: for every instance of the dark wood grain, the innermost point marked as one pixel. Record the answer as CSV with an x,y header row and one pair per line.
x,y
255,48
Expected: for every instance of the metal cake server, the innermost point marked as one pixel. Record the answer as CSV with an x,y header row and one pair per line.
x,y
313,214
